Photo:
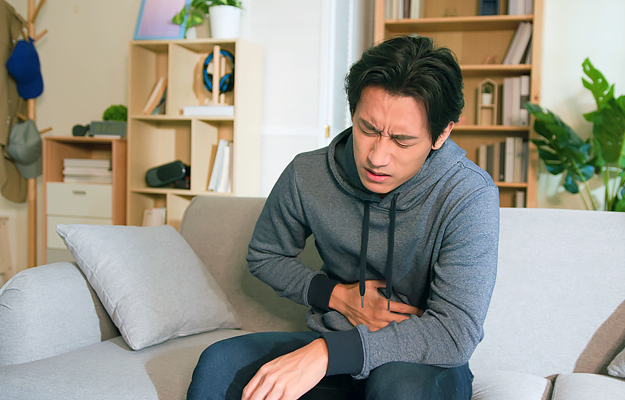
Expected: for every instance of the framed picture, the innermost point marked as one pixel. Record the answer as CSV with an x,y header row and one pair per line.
x,y
154,21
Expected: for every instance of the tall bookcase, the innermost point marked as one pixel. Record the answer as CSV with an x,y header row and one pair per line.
x,y
154,140
475,38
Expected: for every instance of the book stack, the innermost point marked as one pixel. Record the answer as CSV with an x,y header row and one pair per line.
x,y
221,168
86,170
516,92
505,161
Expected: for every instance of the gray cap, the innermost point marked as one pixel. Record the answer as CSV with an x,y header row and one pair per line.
x,y
25,147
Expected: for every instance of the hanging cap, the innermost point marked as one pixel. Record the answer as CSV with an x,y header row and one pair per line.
x,y
25,147
25,69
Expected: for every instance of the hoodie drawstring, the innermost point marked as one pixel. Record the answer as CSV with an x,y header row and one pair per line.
x,y
391,250
388,272
364,243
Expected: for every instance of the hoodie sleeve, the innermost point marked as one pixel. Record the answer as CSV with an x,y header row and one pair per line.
x,y
279,236
463,278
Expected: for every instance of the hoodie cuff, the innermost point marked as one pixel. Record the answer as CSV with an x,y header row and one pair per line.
x,y
345,354
320,290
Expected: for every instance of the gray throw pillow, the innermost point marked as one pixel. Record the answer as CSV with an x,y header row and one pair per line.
x,y
149,280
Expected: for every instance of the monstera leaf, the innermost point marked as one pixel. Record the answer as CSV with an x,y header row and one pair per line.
x,y
561,148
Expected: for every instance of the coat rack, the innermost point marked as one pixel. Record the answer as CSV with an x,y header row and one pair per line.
x,y
33,12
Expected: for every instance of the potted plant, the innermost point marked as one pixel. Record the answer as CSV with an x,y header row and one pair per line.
x,y
487,95
224,16
603,154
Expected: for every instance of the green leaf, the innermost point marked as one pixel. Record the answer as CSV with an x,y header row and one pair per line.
x,y
178,19
619,206
570,185
602,91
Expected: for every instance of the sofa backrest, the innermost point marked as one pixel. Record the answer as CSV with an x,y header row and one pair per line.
x,y
555,307
558,304
219,230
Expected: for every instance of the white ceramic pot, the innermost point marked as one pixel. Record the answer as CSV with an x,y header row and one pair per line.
x,y
487,99
224,21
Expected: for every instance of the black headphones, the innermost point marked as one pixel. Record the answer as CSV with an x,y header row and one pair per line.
x,y
226,83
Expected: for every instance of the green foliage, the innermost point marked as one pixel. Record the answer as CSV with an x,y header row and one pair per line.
x,y
195,13
602,154
117,112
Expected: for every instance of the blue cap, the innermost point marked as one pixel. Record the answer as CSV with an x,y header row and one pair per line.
x,y
25,69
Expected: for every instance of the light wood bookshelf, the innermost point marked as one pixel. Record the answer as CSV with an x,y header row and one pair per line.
x,y
87,203
473,38
154,140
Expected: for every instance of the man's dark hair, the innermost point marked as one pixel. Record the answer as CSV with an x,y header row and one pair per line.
x,y
411,66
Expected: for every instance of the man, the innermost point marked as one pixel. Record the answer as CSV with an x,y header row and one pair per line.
x,y
407,228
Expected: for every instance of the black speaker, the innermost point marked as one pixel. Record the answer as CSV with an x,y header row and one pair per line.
x,y
165,174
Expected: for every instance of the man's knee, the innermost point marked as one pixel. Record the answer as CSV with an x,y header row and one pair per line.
x,y
400,380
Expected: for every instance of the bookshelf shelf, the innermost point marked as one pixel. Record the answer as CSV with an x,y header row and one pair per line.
x,y
451,24
154,140
480,43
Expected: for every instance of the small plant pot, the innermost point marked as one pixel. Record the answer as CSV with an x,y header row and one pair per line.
x,y
487,99
224,22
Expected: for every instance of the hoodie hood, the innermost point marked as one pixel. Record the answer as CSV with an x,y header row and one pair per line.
x,y
343,166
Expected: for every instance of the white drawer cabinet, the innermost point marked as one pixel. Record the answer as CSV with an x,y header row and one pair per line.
x,y
80,203
80,200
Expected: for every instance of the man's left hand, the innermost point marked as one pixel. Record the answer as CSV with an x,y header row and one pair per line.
x,y
291,375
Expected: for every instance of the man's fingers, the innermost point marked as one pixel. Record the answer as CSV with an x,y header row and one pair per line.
x,y
403,308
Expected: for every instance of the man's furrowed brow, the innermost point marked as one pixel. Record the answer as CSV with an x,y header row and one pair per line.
x,y
369,125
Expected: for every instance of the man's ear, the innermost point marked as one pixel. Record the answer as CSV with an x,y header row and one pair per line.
x,y
441,139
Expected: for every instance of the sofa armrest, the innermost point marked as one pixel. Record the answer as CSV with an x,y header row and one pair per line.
x,y
49,310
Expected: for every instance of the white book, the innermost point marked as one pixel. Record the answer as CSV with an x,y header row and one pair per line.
x,y
524,117
513,7
416,9
519,43
86,171
87,179
519,199
213,183
215,110
518,159
529,7
507,101
516,100
481,156
224,178
86,162
509,160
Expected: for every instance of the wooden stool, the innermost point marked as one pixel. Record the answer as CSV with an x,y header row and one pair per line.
x,y
6,265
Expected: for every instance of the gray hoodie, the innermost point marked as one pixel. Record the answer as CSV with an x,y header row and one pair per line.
x,y
434,239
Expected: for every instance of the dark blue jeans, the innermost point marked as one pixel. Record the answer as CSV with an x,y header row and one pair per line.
x,y
227,366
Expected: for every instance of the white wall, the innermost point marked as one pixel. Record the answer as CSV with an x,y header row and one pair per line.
x,y
84,62
572,33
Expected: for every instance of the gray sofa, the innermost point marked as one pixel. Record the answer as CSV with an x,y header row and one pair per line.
x,y
557,316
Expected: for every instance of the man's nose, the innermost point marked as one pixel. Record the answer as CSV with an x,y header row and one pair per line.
x,y
380,153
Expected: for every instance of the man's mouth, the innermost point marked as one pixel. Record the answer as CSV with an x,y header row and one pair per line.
x,y
376,176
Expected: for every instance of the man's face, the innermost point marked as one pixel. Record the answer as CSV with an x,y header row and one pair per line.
x,y
391,139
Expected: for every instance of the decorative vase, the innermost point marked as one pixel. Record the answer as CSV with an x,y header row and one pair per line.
x,y
224,21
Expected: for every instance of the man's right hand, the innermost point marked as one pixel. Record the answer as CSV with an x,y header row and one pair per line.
x,y
375,315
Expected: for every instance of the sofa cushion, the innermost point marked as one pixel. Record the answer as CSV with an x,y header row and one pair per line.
x,y
617,367
508,385
149,280
111,370
588,386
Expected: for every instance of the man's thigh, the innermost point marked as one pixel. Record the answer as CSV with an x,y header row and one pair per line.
x,y
226,367
400,380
